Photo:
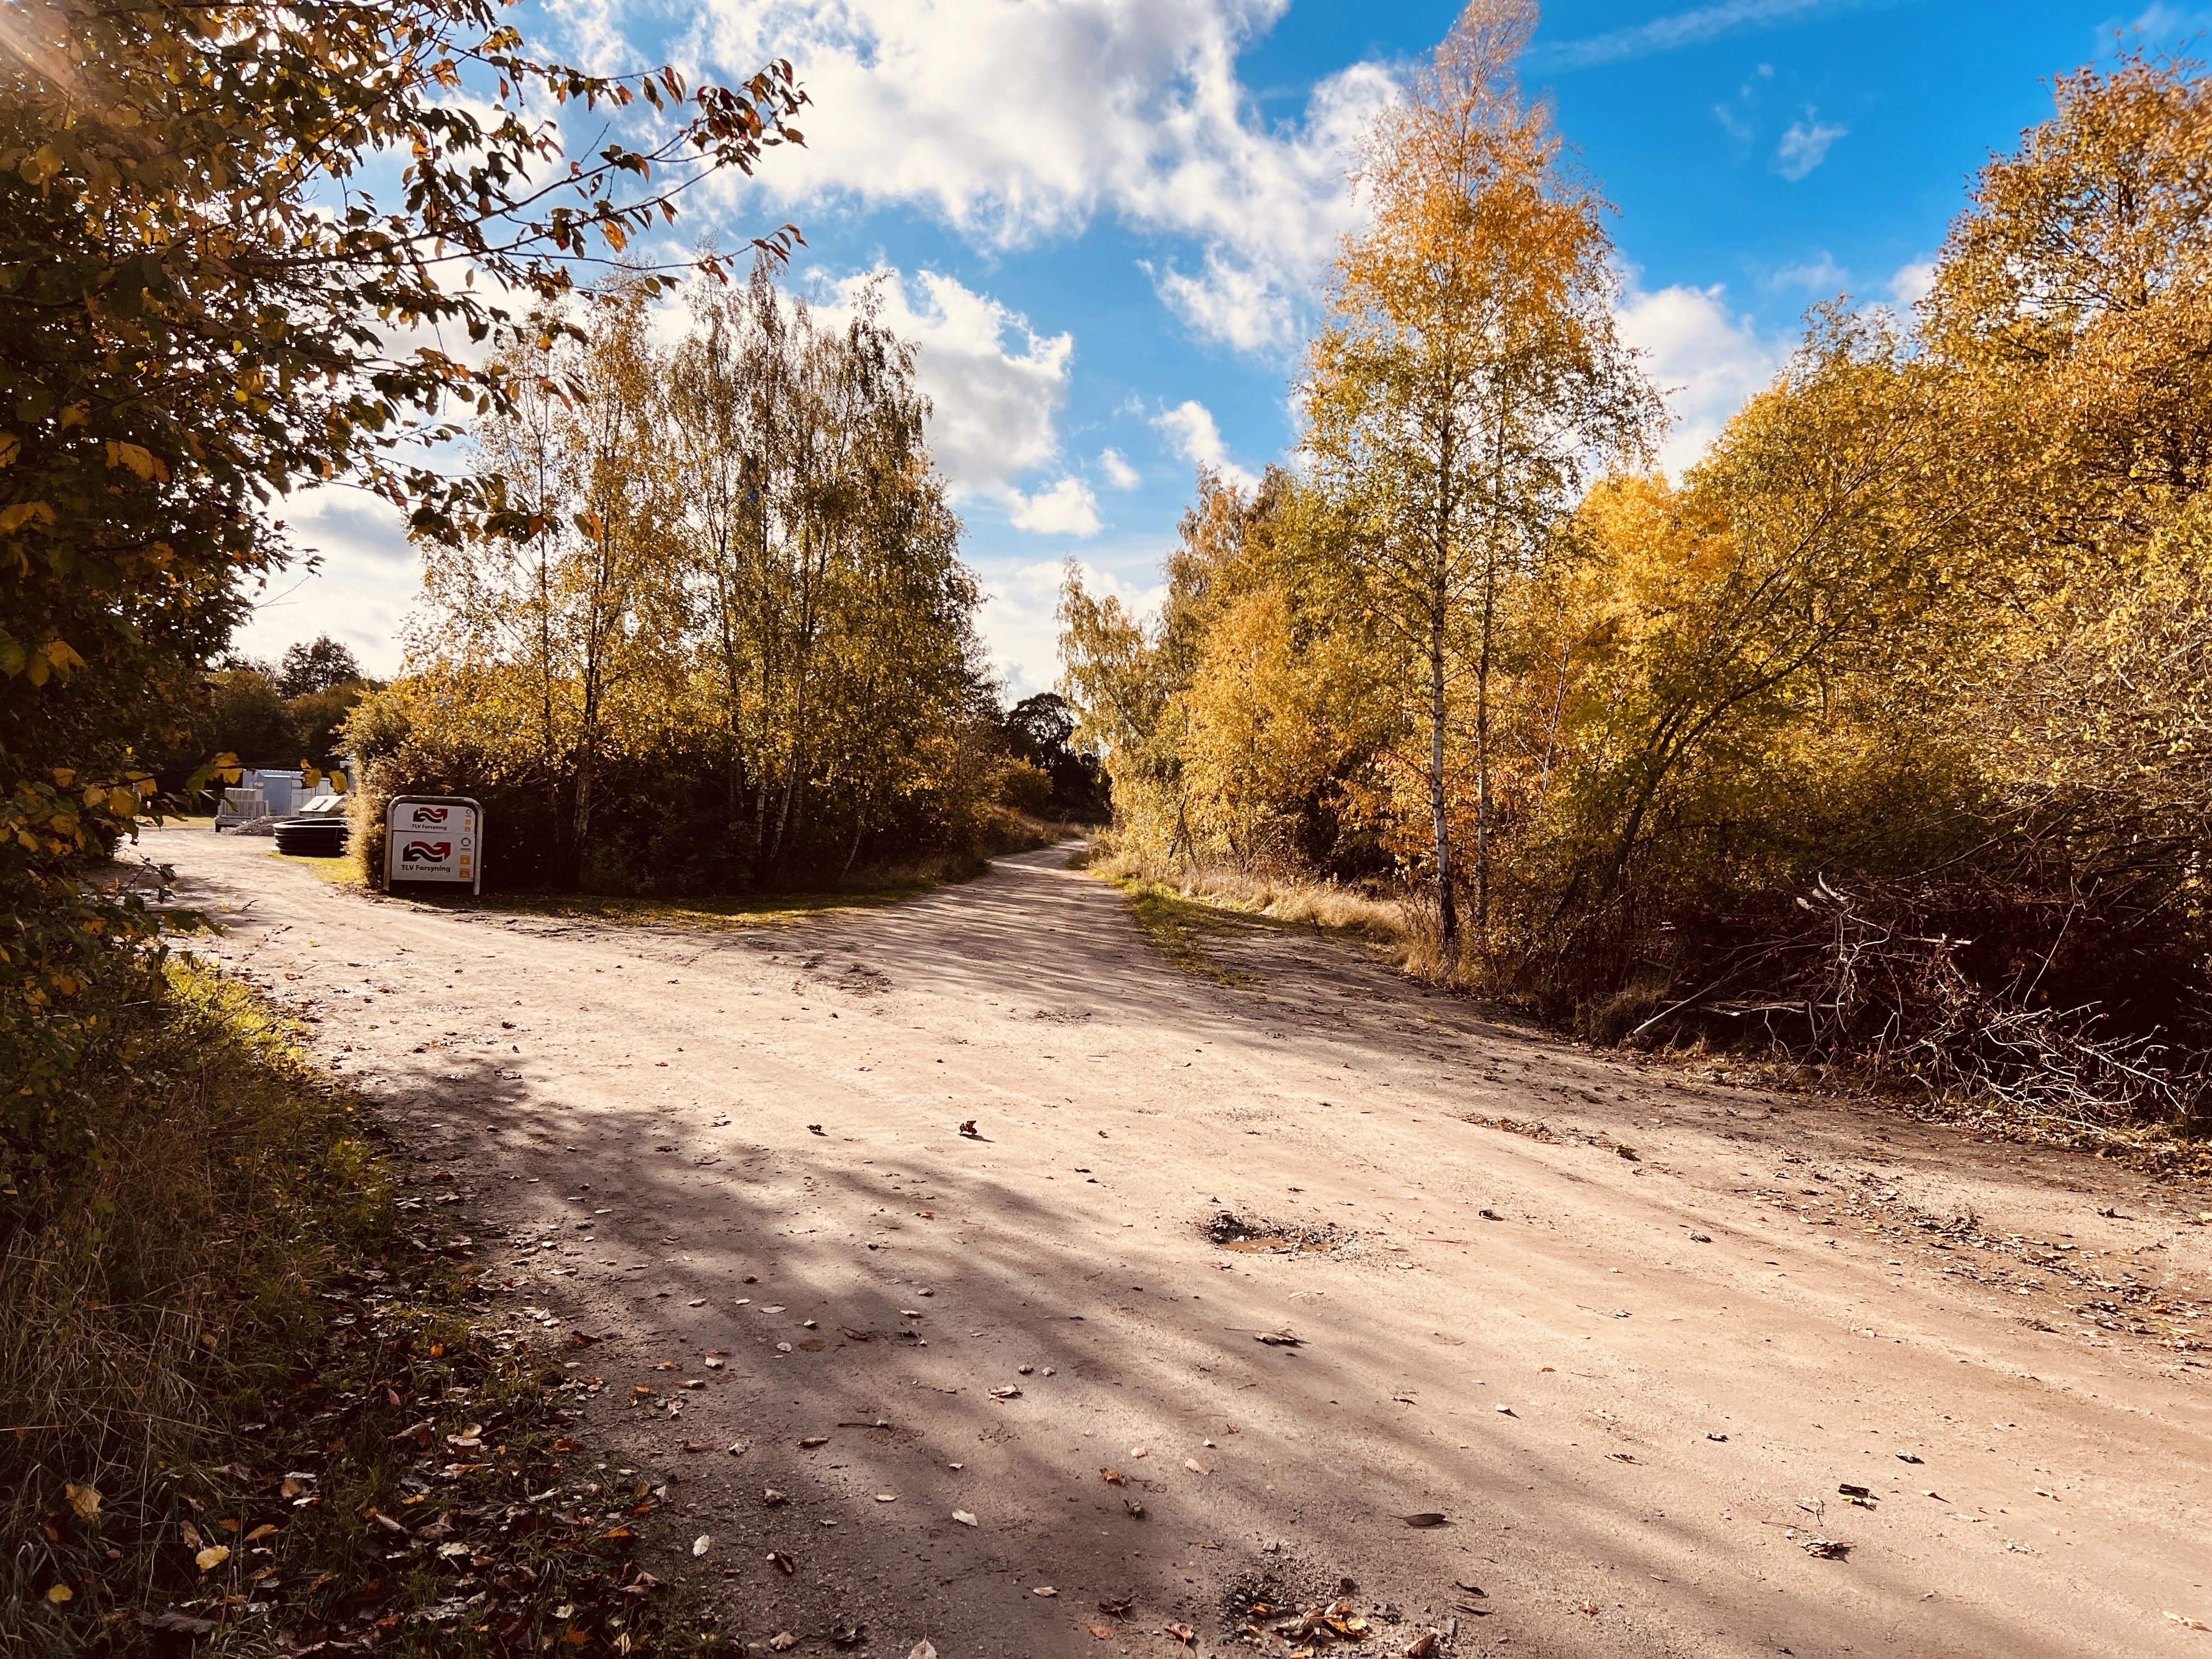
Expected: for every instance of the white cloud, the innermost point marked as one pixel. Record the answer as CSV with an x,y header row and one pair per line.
x,y
1193,434
1014,122
1120,474
1706,361
1683,28
2166,25
996,386
1068,508
368,577
1805,146
1820,275
1020,598
1239,304
1732,124
1910,284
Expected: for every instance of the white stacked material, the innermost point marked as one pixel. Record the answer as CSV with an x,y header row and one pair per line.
x,y
238,806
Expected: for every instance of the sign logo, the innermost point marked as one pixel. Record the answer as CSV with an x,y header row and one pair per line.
x,y
427,815
425,852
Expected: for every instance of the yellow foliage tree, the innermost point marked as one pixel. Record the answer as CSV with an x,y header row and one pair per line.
x,y
1466,381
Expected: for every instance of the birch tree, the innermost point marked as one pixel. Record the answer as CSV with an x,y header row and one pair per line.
x,y
1467,384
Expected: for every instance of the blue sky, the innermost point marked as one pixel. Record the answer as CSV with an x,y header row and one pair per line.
x,y
1102,221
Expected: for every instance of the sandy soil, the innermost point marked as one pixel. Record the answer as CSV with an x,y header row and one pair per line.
x,y
1486,1315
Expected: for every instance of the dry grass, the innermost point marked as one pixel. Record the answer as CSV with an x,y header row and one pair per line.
x,y
173,1286
1021,832
1176,906
1347,912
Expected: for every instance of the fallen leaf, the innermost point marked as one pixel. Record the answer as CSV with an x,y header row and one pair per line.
x,y
1195,1466
1005,1393
1425,1644
1113,1477
213,1557
61,1593
921,1650
816,1440
783,1641
1135,1509
85,1500
1117,1608
1424,1518
699,1544
1825,1549
963,1517
784,1564
1104,1632
1280,1340
771,1497
2184,1622
264,1530
1044,1589
1183,1633
887,1498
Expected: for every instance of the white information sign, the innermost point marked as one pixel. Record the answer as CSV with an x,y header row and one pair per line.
x,y
434,840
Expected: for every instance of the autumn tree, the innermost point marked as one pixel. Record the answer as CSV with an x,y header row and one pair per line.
x,y
1466,383
317,665
2078,287
724,571
834,617
564,588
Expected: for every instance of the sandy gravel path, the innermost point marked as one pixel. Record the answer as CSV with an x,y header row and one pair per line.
x,y
1638,1388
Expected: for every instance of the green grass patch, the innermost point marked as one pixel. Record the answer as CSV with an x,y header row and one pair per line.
x,y
258,1399
1176,927
340,871
708,915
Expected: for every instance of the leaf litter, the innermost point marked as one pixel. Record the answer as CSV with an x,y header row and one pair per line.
x,y
417,1489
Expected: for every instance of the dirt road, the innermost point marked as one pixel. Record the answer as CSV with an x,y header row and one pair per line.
x,y
1641,1390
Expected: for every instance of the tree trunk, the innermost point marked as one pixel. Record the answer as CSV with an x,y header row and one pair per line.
x,y
860,829
1447,908
1482,758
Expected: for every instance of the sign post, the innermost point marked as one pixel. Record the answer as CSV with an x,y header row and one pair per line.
x,y
435,842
